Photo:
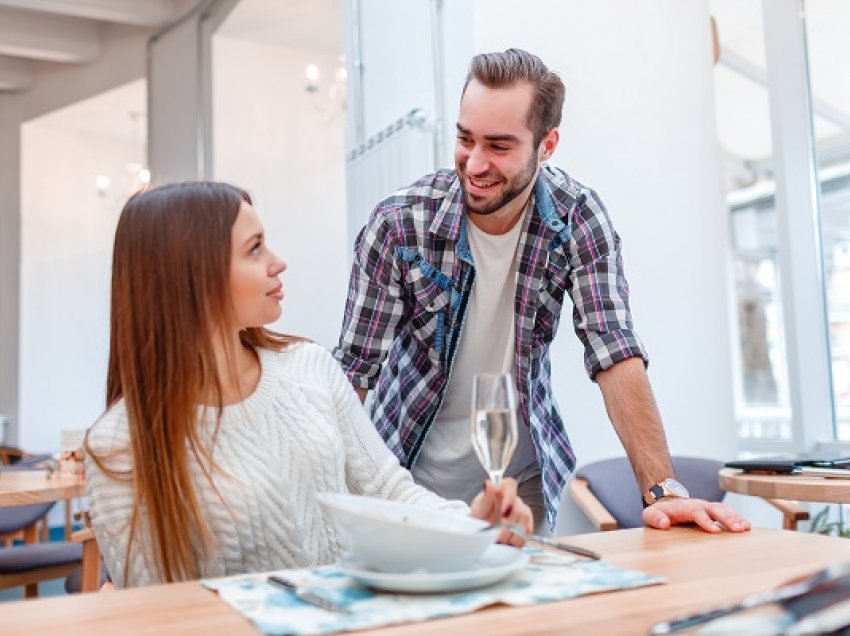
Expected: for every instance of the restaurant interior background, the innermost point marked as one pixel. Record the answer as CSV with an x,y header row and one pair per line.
x,y
728,180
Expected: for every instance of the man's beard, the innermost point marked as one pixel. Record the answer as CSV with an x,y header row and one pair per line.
x,y
514,188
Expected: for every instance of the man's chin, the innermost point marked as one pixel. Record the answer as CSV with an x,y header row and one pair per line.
x,y
478,205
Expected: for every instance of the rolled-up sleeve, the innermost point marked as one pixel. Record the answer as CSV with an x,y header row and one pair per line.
x,y
599,290
374,307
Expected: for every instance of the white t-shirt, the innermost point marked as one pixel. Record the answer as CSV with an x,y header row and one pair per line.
x,y
447,463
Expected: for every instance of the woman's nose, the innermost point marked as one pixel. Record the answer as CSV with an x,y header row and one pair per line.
x,y
278,266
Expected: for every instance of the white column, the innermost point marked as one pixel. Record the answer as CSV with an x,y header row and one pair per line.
x,y
180,95
10,260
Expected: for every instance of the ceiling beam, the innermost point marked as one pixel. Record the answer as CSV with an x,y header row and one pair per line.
x,y
146,13
15,74
48,37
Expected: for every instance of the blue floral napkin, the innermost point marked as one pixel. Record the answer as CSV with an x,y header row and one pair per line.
x,y
277,611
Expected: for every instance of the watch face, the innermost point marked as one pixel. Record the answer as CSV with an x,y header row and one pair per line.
x,y
675,488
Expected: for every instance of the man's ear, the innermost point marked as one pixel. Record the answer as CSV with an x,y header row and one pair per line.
x,y
548,144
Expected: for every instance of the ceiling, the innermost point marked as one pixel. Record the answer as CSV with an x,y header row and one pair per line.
x,y
297,24
68,31
34,32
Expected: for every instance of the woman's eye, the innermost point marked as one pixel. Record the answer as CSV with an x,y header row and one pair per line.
x,y
255,248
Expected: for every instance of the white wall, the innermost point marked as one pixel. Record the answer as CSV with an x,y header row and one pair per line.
x,y
639,128
66,245
56,86
270,138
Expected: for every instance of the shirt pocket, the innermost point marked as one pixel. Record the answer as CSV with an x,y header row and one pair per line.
x,y
430,315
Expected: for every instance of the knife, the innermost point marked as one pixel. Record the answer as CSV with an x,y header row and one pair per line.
x,y
546,542
307,596
796,587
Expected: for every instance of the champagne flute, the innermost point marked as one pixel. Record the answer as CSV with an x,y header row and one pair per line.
x,y
494,426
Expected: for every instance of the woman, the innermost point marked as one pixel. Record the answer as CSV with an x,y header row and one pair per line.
x,y
219,433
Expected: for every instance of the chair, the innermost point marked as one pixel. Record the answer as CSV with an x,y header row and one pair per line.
x,y
29,564
607,492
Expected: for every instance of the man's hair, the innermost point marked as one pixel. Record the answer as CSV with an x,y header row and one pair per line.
x,y
499,70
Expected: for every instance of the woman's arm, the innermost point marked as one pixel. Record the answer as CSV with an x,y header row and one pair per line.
x,y
111,503
371,469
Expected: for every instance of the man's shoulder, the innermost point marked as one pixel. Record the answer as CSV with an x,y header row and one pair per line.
x,y
404,217
562,185
420,198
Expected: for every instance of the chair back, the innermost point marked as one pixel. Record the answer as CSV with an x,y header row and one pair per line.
x,y
613,483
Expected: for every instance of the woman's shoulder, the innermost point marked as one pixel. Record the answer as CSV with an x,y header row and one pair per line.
x,y
300,355
111,431
306,363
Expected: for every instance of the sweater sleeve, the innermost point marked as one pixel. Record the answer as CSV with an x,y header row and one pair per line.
x,y
111,502
371,469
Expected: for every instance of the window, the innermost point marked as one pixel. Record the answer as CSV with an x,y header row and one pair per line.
x,y
785,138
744,132
827,25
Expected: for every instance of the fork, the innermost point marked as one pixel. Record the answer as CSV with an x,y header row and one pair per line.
x,y
544,542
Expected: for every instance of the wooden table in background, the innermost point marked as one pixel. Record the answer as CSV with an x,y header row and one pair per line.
x,y
793,487
18,488
702,570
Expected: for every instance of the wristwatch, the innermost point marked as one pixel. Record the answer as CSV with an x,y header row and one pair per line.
x,y
667,489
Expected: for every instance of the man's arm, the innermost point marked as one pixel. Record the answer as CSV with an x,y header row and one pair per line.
x,y
632,410
374,306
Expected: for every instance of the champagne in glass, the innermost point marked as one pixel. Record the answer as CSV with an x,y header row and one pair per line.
x,y
494,425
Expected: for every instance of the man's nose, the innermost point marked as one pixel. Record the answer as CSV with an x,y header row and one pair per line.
x,y
477,161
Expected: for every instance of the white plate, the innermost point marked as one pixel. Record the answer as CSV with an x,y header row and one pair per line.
x,y
497,563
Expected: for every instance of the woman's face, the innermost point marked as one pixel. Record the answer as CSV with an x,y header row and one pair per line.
x,y
255,289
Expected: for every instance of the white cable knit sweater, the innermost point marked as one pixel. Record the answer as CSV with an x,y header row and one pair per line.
x,y
302,431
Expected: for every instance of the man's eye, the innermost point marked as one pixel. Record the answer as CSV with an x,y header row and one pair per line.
x,y
501,148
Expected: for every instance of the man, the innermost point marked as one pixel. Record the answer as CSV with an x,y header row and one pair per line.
x,y
466,272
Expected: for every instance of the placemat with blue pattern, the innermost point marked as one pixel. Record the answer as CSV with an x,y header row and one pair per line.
x,y
277,611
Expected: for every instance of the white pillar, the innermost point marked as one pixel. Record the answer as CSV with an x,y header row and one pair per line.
x,y
180,95
10,260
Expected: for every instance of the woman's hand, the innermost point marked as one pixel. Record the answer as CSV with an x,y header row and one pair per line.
x,y
501,503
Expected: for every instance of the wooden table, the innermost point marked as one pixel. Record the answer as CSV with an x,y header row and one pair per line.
x,y
702,570
18,488
793,487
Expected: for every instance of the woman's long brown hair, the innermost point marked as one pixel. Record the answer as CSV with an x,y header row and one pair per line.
x,y
170,296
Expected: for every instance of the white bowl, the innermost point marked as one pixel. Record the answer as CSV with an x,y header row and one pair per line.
x,y
398,537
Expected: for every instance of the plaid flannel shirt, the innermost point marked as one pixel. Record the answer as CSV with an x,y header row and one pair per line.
x,y
410,283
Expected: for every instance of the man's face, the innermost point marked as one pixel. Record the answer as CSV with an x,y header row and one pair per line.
x,y
495,155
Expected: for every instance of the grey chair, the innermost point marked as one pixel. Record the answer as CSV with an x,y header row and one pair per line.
x,y
29,564
607,492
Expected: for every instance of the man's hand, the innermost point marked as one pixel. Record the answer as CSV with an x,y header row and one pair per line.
x,y
711,517
503,498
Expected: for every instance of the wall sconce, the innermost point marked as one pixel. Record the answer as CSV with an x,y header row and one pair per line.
x,y
101,184
113,188
333,100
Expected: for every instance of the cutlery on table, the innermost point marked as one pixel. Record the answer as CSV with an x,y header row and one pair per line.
x,y
307,596
793,589
544,542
